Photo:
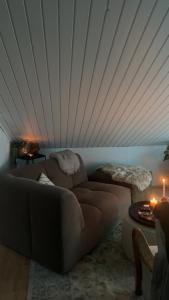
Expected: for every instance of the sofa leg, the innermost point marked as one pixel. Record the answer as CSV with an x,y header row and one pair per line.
x,y
138,265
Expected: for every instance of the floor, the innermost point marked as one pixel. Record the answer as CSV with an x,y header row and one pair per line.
x,y
13,275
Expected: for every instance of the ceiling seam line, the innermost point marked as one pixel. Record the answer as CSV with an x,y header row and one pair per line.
x,y
2,128
146,75
119,61
35,65
9,112
158,53
105,68
152,123
71,66
145,56
133,55
81,77
145,121
140,119
17,111
47,65
162,119
93,72
24,69
13,27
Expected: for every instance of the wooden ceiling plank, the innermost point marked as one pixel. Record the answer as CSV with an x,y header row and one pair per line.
x,y
95,61
32,72
12,121
66,14
147,55
143,122
82,15
50,15
148,82
123,28
112,14
35,19
149,107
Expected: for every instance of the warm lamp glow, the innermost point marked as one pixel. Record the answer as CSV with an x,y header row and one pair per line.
x,y
153,202
33,138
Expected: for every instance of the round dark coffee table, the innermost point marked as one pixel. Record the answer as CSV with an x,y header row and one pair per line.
x,y
134,214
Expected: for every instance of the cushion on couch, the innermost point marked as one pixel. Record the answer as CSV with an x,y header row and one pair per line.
x,y
43,179
122,194
105,202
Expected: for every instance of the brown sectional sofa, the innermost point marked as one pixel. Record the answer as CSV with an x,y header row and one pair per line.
x,y
57,225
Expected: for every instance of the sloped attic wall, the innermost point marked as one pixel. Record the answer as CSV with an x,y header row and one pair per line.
x,y
85,73
4,150
150,157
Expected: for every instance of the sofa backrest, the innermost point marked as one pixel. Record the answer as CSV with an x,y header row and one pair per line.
x,y
51,168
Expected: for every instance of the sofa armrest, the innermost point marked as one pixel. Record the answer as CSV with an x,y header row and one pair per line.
x,y
55,221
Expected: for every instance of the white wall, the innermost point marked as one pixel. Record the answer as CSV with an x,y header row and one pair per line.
x,y
4,150
150,157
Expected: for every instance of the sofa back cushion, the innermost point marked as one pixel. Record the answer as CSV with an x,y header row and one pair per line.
x,y
81,175
51,169
56,175
32,171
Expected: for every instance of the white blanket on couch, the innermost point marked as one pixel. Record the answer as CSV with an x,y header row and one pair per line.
x,y
68,161
137,176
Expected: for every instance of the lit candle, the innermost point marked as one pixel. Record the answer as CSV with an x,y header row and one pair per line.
x,y
163,187
153,202
30,154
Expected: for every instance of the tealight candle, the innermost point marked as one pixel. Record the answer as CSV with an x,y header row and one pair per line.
x,y
153,202
163,180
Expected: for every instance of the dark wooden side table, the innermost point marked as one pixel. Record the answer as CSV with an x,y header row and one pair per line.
x,y
27,158
134,214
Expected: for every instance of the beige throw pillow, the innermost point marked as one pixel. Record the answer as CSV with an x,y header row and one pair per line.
x,y
45,180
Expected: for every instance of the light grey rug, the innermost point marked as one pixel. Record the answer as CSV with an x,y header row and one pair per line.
x,y
103,274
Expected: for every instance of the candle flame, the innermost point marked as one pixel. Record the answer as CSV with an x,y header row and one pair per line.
x,y
163,180
153,202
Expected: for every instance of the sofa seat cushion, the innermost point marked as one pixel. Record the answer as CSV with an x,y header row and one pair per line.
x,y
104,202
94,228
122,193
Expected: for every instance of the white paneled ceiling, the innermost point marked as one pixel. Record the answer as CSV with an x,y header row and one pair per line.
x,y
85,72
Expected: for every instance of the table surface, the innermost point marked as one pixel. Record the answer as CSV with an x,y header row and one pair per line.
x,y
133,213
27,157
